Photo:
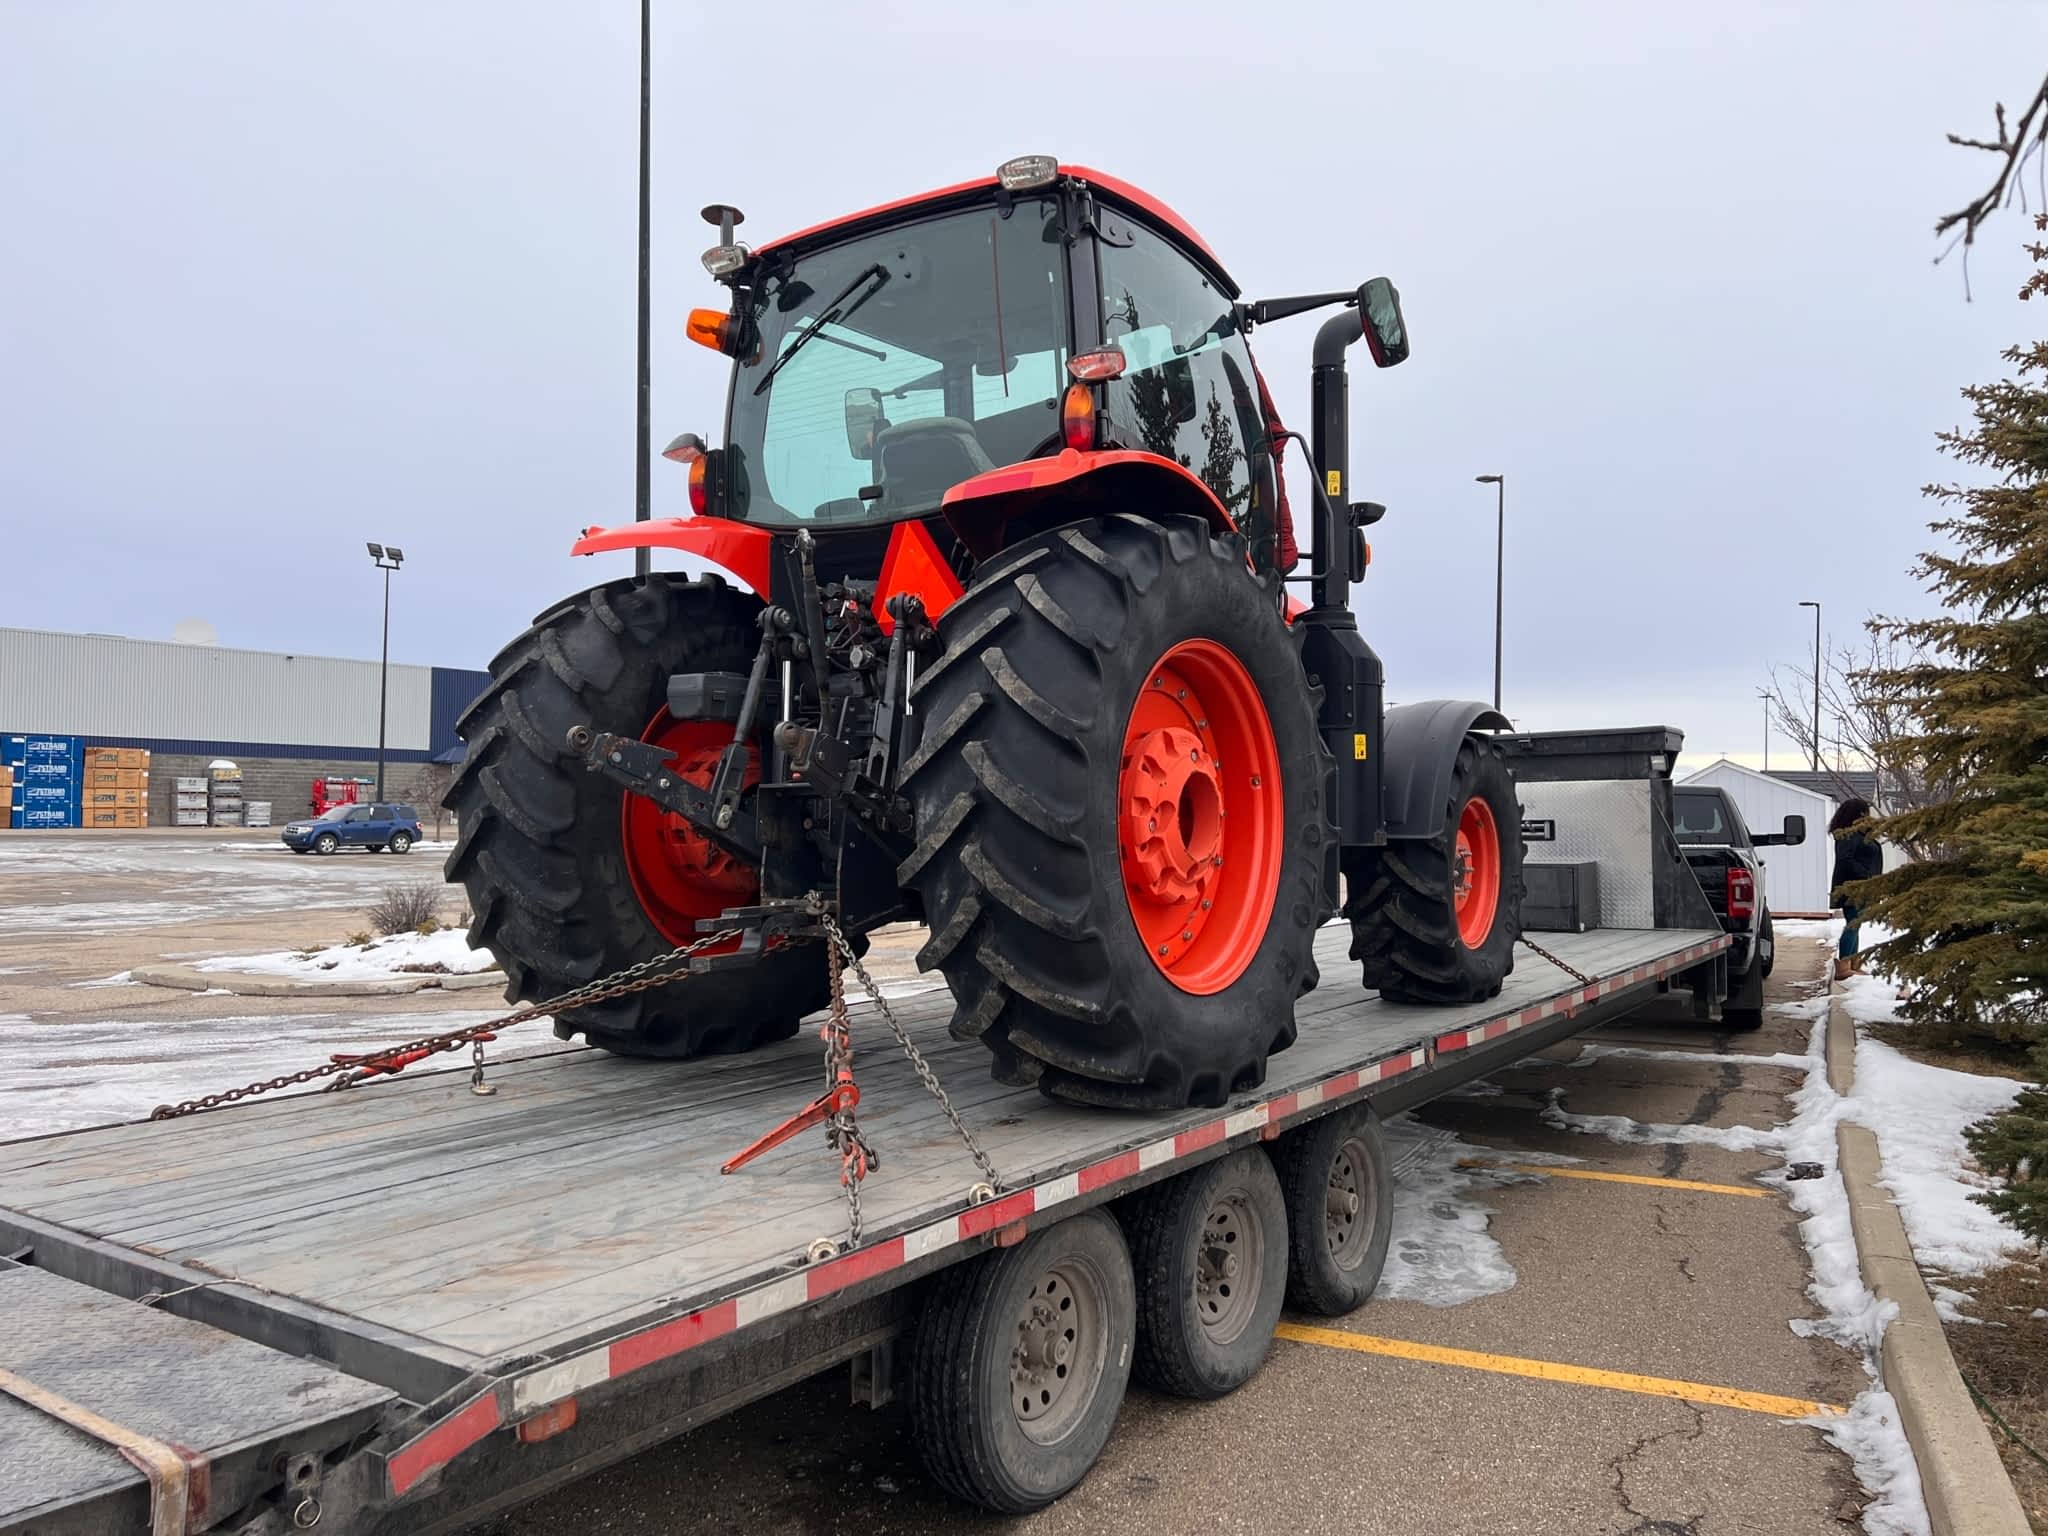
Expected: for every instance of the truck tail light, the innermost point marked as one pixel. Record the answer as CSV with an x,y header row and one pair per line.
x,y
1741,893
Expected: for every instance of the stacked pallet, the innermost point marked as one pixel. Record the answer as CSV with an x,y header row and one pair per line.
x,y
224,795
188,801
115,795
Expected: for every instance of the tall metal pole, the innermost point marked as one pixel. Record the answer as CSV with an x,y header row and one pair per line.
x,y
1816,685
383,681
642,442
1500,566
1760,693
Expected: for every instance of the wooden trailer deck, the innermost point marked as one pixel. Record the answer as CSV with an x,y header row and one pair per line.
x,y
416,1233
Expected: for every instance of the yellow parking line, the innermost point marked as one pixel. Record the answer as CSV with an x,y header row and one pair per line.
x,y
1550,1370
1547,1171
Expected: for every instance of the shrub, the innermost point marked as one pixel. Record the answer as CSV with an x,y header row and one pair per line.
x,y
403,908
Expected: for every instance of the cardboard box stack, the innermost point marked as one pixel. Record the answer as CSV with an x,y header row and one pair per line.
x,y
224,795
188,802
116,790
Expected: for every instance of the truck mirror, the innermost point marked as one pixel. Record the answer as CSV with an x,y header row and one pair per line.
x,y
1795,831
1386,332
863,421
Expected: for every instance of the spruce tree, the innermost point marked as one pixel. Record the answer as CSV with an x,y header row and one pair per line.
x,y
1972,915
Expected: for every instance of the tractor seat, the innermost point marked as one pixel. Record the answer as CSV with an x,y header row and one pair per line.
x,y
919,461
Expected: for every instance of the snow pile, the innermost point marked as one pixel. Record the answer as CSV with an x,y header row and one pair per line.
x,y
1870,1436
1919,1113
1441,1253
444,952
1869,1000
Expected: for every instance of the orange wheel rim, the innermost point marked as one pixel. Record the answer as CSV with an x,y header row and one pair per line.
x,y
679,875
1201,816
1475,872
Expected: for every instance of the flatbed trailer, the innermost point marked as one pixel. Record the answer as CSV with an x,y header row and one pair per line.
x,y
409,1307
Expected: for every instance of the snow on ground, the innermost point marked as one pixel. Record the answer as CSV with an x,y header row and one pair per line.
x,y
1736,1138
1441,1253
1596,1052
64,1077
1871,1437
211,879
445,951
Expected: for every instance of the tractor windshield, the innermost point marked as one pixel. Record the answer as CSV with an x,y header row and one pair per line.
x,y
894,366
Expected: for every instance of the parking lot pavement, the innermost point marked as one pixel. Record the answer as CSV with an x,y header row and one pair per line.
x,y
1544,1407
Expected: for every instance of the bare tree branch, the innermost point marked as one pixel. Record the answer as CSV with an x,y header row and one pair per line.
x,y
1863,727
2014,146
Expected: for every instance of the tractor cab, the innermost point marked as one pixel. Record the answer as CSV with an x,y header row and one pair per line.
x,y
884,361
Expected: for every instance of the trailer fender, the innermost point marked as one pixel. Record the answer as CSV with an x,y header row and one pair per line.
x,y
1418,750
1100,481
739,549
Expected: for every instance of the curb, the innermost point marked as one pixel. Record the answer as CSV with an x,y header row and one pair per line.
x,y
1964,1482
187,978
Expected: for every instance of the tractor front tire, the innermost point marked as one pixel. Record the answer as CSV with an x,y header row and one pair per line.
x,y
1122,813
562,892
1435,920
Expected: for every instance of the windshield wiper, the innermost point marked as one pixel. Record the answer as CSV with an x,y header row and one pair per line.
x,y
830,313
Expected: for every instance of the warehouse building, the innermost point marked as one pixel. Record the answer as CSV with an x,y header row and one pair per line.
x,y
283,720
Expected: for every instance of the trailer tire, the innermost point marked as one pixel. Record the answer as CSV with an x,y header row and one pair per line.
x,y
540,842
1340,1210
1108,958
1197,1241
970,1390
1417,936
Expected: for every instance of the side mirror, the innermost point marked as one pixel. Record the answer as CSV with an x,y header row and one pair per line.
x,y
1386,332
1795,831
863,421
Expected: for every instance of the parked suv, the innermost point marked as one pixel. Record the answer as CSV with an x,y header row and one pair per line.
x,y
375,827
1722,852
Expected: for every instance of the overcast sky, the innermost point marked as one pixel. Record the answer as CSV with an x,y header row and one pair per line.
x,y
277,279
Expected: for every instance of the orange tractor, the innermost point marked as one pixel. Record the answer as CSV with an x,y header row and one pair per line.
x,y
1010,653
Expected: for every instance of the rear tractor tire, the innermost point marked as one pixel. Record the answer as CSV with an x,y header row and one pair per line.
x,y
569,877
1122,812
1435,920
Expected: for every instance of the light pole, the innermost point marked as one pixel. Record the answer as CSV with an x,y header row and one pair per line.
x,y
1816,681
1500,550
387,561
1764,694
642,562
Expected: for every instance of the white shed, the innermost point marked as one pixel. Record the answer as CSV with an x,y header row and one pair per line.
x,y
1795,879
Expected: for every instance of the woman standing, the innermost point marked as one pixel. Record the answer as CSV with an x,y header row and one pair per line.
x,y
1857,857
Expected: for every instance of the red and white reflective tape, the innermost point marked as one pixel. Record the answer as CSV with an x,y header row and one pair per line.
x,y
549,1384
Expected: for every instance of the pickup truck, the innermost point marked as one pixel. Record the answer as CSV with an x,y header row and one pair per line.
x,y
1722,852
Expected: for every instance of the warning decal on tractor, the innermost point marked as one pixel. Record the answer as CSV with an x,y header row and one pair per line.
x,y
1358,746
1335,481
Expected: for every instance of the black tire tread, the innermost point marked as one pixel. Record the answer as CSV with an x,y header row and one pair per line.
x,y
548,895
1404,925
1154,1222
1001,865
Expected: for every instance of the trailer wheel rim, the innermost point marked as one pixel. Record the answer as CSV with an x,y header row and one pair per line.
x,y
1059,1350
679,875
1350,1204
1475,872
1229,1267
1202,815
